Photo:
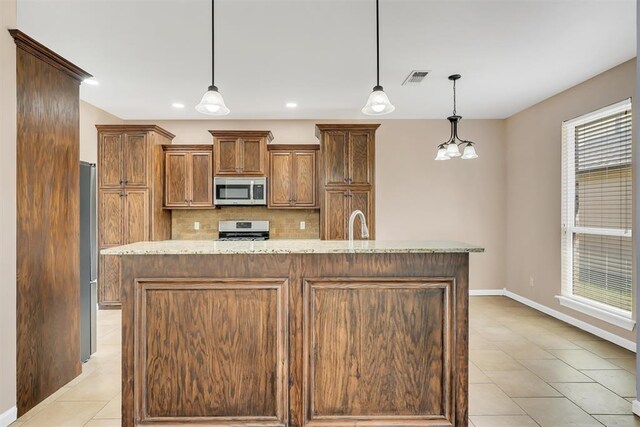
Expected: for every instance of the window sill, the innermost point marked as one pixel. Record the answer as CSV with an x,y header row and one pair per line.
x,y
616,319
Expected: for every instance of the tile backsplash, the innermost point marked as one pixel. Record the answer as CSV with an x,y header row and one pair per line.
x,y
283,223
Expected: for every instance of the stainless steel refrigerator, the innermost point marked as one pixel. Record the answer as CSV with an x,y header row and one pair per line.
x,y
88,261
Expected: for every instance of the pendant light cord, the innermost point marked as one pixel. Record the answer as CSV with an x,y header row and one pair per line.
x,y
377,46
213,49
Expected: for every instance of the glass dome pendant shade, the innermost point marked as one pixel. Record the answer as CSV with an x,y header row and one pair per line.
x,y
378,103
442,153
451,148
212,103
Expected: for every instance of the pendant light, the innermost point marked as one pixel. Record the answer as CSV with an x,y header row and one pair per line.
x,y
451,148
212,102
378,102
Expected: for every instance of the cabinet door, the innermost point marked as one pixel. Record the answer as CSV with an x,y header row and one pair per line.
x,y
110,220
227,156
137,215
135,159
109,281
360,158
335,154
304,179
110,162
176,179
361,200
280,165
201,179
253,156
335,214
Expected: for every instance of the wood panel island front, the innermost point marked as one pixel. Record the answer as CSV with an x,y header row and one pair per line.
x,y
294,333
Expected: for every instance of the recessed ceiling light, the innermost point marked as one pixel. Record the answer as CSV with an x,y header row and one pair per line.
x,y
177,105
92,82
291,105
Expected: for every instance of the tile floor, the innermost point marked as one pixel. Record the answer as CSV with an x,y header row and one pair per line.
x,y
526,369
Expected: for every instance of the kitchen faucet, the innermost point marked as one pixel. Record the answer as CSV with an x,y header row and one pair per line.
x,y
363,224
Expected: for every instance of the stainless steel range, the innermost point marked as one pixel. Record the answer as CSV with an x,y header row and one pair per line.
x,y
243,230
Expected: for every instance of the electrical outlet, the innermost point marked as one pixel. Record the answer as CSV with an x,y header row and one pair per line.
x,y
303,225
531,283
196,225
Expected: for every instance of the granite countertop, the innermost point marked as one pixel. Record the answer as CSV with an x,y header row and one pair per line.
x,y
181,247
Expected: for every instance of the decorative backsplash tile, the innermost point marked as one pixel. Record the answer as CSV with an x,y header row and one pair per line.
x,y
283,223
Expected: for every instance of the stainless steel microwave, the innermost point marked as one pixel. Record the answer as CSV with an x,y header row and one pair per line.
x,y
240,191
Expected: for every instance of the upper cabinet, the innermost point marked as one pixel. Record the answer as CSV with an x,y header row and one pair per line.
x,y
347,154
188,176
240,153
123,159
293,177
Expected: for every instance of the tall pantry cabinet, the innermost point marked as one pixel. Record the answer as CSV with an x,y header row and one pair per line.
x,y
130,196
347,178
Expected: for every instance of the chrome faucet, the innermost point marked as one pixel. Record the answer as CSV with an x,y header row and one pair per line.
x,y
363,224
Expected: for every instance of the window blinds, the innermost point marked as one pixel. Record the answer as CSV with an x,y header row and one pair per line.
x,y
597,207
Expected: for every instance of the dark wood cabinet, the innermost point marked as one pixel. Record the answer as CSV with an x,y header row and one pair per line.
x,y
240,153
293,176
338,205
188,176
130,196
347,178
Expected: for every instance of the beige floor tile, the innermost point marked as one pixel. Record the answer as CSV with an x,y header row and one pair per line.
x,y
476,342
471,424
627,363
494,360
605,349
503,421
582,359
488,399
555,371
113,409
572,333
104,423
42,405
618,420
556,412
619,381
552,342
65,414
16,424
499,333
476,376
594,398
521,350
98,386
522,384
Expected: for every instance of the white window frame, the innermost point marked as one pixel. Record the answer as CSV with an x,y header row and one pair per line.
x,y
604,312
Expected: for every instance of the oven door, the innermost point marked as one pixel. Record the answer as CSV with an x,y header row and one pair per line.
x,y
232,192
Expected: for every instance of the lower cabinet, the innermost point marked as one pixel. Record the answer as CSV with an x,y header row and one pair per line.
x,y
337,207
109,281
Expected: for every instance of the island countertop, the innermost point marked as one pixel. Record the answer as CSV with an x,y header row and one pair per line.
x,y
184,247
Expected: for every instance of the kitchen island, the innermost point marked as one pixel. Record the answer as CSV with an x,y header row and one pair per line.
x,y
294,333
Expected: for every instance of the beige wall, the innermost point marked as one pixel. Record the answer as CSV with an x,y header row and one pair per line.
x,y
416,197
533,191
90,116
7,209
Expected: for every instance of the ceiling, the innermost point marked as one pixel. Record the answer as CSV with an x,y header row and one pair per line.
x,y
321,53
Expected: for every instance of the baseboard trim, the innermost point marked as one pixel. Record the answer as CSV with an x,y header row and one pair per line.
x,y
487,292
8,416
606,335
635,407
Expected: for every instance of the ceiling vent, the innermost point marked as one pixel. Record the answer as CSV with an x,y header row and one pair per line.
x,y
415,78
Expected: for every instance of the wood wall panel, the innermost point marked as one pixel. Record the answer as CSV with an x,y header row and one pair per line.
x,y
378,349
48,223
228,350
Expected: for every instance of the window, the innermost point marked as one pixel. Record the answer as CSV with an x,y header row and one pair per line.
x,y
597,217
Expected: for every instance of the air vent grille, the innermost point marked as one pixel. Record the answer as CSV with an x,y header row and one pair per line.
x,y
415,78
